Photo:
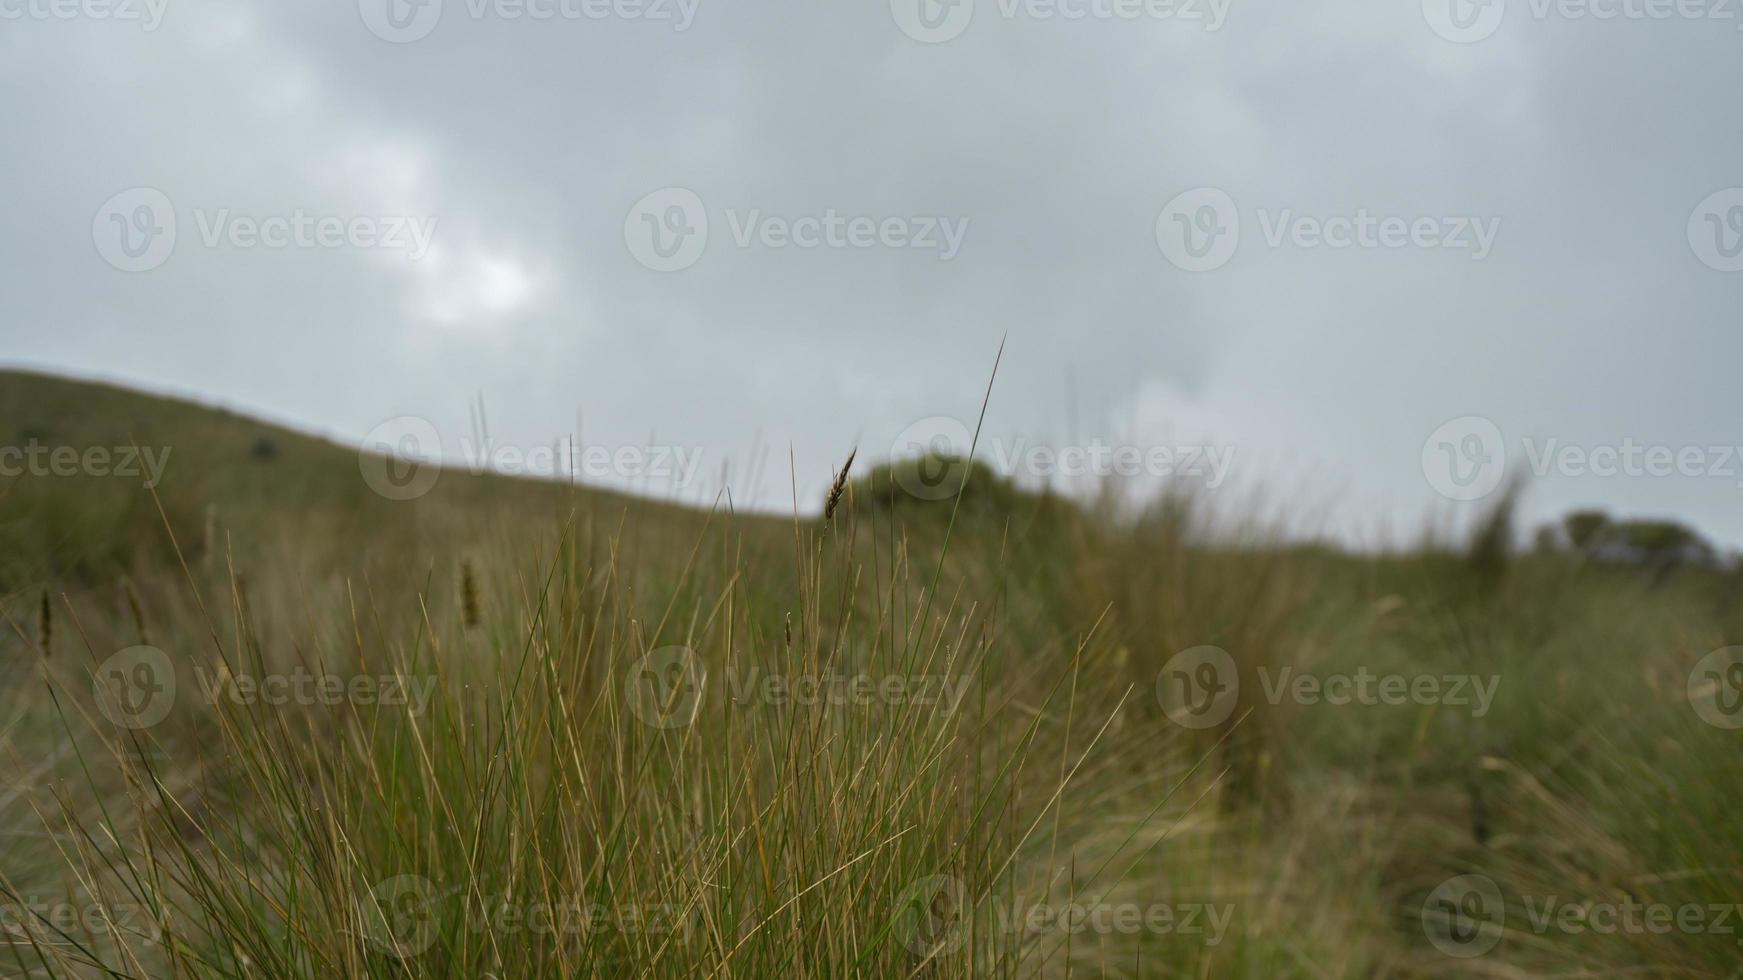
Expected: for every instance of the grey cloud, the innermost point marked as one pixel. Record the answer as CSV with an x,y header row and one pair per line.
x,y
528,142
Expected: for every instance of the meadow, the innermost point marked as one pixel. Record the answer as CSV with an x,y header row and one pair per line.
x,y
262,721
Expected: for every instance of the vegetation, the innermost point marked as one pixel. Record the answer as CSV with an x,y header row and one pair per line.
x,y
290,728
1657,543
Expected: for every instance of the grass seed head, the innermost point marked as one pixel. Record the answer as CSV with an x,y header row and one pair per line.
x,y
838,488
469,594
45,624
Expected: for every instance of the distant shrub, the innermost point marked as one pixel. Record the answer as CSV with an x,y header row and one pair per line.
x,y
930,484
1583,527
934,480
1656,543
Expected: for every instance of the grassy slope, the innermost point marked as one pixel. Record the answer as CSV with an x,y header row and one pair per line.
x,y
309,491
258,840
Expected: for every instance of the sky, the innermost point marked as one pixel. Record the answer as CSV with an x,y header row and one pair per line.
x,y
1358,264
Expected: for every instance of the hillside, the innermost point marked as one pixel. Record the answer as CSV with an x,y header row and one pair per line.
x,y
220,473
523,728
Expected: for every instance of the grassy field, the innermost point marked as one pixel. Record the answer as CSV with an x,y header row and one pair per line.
x,y
264,722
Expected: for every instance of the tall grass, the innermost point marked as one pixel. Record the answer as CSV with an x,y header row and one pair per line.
x,y
596,770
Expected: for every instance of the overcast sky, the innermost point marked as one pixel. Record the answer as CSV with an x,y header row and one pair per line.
x,y
1307,236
